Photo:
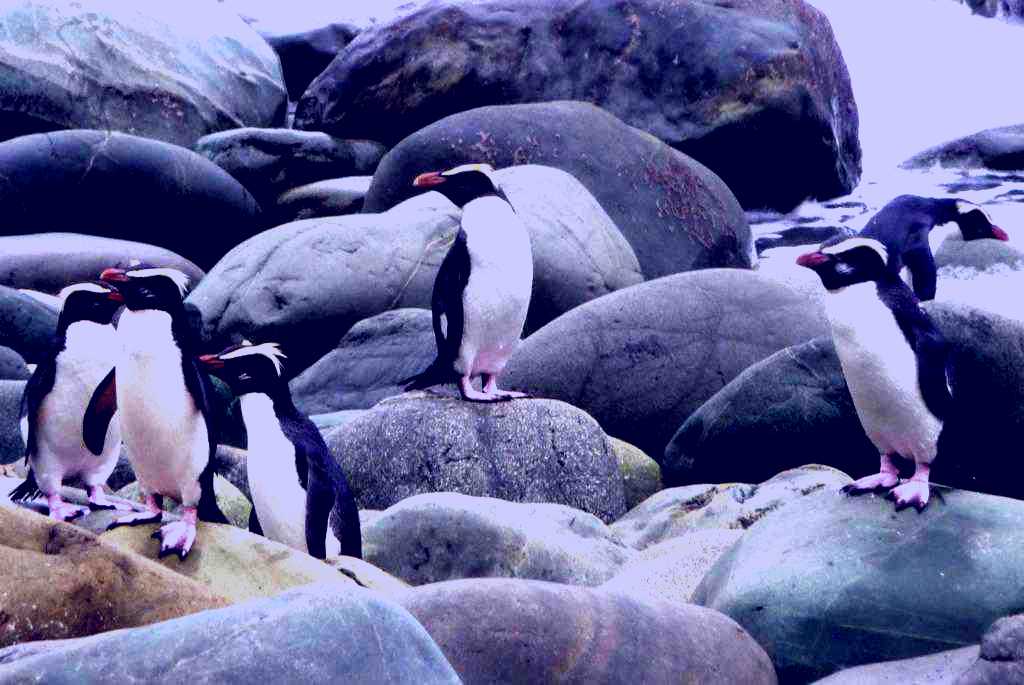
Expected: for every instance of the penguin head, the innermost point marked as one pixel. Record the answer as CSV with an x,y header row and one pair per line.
x,y
247,367
96,302
975,222
461,184
854,260
147,287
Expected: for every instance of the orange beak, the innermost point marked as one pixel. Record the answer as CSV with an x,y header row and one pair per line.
x,y
428,180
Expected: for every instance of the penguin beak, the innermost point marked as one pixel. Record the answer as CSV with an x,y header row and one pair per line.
x,y
114,276
429,179
999,234
812,259
212,361
115,296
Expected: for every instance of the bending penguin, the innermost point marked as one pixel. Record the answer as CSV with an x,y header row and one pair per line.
x,y
905,228
482,290
162,396
294,480
894,359
55,400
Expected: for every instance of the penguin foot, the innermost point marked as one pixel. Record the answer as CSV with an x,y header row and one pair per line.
x,y
176,537
98,500
874,482
65,511
136,518
913,493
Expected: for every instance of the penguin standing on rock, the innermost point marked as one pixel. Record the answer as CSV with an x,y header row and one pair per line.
x,y
161,394
294,480
55,400
482,290
904,228
894,359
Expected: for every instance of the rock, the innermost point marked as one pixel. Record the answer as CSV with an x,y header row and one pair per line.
x,y
368,363
305,54
748,87
978,254
672,570
12,445
522,451
446,536
943,668
675,213
306,283
26,325
276,19
832,581
327,422
504,631
736,506
641,475
1000,659
12,366
231,463
293,637
114,185
270,161
996,8
50,261
642,359
333,197
800,403
800,235
60,581
366,575
994,148
231,562
123,474
232,501
169,72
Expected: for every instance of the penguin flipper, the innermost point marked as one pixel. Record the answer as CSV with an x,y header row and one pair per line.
x,y
933,373
207,508
922,268
319,502
98,413
38,386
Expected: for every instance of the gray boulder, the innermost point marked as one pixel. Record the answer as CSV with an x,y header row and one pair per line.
x,y
528,631
289,638
12,446
26,325
943,668
446,536
49,261
522,451
12,366
977,254
368,364
994,148
333,197
747,88
269,161
306,53
172,72
1001,657
832,581
676,214
642,359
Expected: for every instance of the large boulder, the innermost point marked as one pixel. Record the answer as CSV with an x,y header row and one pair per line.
x,y
994,148
531,450
269,161
676,214
368,364
320,633
794,408
642,359
943,668
60,581
446,536
749,85
121,186
49,261
333,197
1001,657
26,325
13,366
173,72
523,631
832,581
979,255
304,54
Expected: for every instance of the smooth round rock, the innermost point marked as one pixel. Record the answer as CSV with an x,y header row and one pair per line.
x,y
27,326
12,366
943,668
12,445
333,197
994,148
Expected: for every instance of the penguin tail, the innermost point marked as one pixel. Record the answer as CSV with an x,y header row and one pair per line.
x,y
437,373
28,490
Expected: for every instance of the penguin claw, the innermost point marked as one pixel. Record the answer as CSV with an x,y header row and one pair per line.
x,y
912,493
67,512
176,537
870,483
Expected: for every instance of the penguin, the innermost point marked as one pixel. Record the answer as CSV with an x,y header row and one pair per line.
x,y
482,290
55,400
896,362
161,393
294,480
904,227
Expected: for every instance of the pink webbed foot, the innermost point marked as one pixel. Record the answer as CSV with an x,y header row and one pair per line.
x,y
913,493
98,500
178,536
152,514
491,388
473,395
875,482
64,511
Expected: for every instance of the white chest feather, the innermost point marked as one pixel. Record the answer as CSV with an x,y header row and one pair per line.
x,y
87,358
165,432
497,294
278,497
938,235
881,372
